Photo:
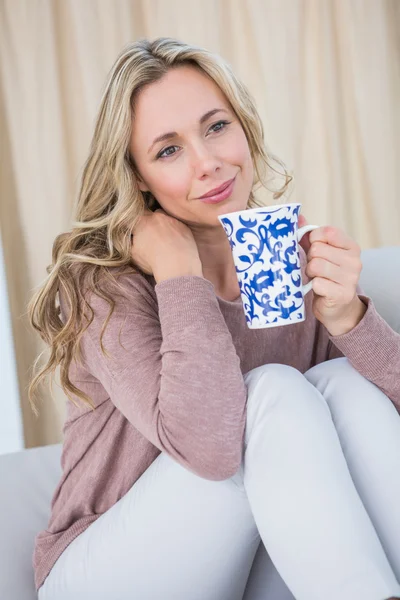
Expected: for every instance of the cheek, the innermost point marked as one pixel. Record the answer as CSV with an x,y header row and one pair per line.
x,y
240,153
246,164
172,184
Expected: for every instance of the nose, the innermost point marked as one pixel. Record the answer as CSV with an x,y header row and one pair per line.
x,y
205,161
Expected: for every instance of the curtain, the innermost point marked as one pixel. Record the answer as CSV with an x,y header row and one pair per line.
x,y
325,76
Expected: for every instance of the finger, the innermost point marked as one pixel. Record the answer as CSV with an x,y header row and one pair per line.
x,y
328,289
337,256
335,292
334,236
320,267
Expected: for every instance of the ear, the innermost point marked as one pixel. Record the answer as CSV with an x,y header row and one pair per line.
x,y
142,186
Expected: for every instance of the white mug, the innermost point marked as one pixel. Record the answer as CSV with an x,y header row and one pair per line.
x,y
265,248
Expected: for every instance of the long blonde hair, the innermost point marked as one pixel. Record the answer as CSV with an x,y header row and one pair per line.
x,y
110,202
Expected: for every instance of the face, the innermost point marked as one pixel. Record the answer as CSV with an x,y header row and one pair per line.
x,y
203,152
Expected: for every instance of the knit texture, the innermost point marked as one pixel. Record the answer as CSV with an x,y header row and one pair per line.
x,y
172,381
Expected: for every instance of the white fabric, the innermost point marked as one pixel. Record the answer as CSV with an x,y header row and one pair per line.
x,y
28,479
380,279
177,536
11,429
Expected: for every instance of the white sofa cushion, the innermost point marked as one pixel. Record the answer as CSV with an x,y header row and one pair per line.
x,y
380,280
28,480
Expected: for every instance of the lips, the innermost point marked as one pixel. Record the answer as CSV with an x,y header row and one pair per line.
x,y
217,190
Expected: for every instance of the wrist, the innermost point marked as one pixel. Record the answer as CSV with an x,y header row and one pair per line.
x,y
171,273
351,320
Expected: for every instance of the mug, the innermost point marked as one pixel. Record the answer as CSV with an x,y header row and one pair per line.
x,y
265,246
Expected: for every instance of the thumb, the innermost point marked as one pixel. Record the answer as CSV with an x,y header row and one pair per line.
x,y
305,242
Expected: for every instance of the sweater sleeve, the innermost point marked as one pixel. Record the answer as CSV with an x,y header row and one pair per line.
x,y
373,348
173,371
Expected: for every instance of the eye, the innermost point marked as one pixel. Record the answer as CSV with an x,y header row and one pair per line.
x,y
220,123
160,154
164,153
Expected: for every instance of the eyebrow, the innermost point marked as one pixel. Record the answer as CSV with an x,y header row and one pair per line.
x,y
172,134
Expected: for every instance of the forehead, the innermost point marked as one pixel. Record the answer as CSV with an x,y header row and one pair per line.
x,y
176,101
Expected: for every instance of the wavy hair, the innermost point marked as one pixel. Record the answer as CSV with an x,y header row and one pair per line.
x,y
110,202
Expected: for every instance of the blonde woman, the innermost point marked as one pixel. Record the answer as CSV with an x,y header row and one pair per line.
x,y
203,460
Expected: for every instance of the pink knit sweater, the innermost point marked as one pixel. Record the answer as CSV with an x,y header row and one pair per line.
x,y
176,385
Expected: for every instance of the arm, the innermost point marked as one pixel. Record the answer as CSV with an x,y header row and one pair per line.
x,y
176,377
333,351
359,333
373,348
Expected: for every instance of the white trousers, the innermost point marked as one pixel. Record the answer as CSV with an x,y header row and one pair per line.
x,y
313,512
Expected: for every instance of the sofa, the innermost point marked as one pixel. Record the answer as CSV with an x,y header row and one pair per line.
x,y
28,478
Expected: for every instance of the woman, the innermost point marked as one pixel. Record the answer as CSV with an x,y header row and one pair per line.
x,y
200,444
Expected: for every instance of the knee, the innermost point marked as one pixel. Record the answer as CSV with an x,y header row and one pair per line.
x,y
272,374
343,387
338,373
339,369
280,396
274,383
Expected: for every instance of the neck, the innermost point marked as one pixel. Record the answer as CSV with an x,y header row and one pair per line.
x,y
217,261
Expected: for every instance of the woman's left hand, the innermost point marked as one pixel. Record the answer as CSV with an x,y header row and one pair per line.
x,y
334,264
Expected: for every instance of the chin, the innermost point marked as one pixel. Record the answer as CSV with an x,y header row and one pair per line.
x,y
231,206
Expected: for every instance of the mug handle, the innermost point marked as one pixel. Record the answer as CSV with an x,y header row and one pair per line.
x,y
300,232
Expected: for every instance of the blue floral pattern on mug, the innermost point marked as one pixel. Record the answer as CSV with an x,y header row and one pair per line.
x,y
265,251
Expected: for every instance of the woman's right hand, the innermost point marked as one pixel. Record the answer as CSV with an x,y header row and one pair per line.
x,y
164,247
